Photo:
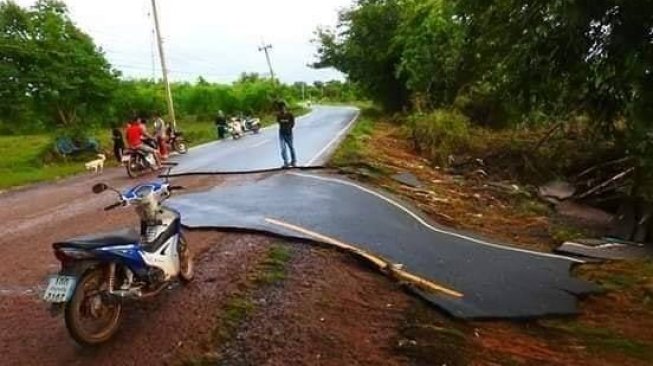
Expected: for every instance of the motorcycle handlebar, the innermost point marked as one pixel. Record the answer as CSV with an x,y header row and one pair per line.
x,y
111,207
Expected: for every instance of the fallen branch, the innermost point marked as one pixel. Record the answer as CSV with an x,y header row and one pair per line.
x,y
602,165
606,183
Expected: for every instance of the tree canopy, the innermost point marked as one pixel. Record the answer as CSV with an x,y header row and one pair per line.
x,y
505,62
49,66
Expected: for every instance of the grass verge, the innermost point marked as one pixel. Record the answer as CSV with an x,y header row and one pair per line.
x,y
271,271
28,159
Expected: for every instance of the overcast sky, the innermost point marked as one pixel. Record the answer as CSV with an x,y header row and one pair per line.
x,y
217,39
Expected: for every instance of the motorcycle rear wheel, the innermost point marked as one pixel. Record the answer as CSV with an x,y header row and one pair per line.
x,y
134,166
90,301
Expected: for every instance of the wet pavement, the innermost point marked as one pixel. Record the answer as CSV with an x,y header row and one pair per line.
x,y
316,135
477,279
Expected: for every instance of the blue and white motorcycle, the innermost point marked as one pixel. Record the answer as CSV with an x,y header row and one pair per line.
x,y
99,273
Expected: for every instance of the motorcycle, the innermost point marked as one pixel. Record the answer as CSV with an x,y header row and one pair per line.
x,y
235,129
252,124
100,273
177,141
138,162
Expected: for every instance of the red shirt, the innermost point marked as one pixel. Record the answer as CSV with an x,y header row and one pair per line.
x,y
134,135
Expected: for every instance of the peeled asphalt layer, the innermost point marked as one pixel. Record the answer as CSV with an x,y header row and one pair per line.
x,y
493,281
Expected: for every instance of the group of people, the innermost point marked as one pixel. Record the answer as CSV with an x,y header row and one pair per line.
x,y
139,138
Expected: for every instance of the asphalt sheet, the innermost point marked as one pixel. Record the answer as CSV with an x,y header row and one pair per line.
x,y
493,281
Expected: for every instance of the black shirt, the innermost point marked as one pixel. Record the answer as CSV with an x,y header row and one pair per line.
x,y
116,135
286,122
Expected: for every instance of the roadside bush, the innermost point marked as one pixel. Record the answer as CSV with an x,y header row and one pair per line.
x,y
482,107
440,134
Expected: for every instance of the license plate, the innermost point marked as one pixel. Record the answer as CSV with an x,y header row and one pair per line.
x,y
125,158
60,289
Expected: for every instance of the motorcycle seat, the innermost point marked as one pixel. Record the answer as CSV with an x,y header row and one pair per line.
x,y
122,237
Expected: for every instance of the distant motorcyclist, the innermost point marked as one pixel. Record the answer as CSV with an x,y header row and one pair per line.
x,y
221,125
136,135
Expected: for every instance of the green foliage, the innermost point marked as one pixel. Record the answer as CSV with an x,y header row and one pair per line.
x,y
352,150
362,48
431,45
507,63
48,67
440,134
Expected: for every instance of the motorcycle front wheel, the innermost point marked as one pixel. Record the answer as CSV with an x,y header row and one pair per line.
x,y
180,147
91,318
186,267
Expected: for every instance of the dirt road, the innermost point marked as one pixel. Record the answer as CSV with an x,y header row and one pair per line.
x,y
299,322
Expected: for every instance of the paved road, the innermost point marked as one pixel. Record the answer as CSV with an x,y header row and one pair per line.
x,y
468,277
316,135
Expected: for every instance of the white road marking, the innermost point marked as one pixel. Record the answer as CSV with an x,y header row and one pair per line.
x,y
431,227
259,143
379,262
335,139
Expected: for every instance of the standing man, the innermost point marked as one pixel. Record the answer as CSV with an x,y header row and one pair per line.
x,y
118,144
286,122
160,134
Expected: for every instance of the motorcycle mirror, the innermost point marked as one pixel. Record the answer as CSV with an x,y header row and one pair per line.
x,y
99,188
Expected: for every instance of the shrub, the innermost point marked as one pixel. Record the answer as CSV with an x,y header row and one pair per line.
x,y
440,134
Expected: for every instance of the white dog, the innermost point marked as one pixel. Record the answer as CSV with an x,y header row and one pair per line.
x,y
96,165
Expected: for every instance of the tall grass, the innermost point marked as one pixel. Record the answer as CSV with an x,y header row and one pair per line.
x,y
439,134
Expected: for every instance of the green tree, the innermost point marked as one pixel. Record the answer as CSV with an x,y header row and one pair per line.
x,y
48,64
362,47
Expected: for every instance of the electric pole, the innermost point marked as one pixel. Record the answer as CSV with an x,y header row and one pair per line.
x,y
265,48
171,107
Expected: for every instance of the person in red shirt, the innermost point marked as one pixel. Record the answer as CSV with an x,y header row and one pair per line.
x,y
134,134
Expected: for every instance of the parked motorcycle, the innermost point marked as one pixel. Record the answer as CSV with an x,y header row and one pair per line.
x,y
252,124
100,273
177,141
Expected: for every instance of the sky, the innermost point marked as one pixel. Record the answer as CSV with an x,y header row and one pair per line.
x,y
218,39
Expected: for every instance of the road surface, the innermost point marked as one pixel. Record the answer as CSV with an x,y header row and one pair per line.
x,y
467,276
316,135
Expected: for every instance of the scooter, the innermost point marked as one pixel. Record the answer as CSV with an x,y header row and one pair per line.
x,y
100,273
252,124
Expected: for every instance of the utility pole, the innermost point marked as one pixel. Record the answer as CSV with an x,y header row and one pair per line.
x,y
171,107
265,48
